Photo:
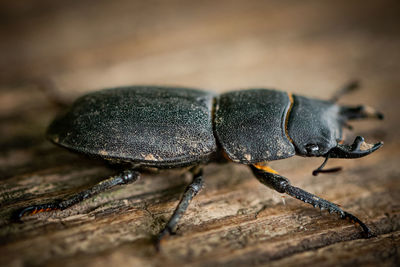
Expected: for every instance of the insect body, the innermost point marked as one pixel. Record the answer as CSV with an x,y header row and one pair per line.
x,y
175,127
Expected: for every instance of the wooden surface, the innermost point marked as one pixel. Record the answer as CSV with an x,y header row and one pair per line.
x,y
308,47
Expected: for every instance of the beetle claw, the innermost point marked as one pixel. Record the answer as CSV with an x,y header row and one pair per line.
x,y
358,149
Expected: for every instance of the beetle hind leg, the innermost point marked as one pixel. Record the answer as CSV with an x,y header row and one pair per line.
x,y
281,184
126,177
190,192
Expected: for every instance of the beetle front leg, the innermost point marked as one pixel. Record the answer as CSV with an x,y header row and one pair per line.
x,y
126,177
272,179
360,112
191,190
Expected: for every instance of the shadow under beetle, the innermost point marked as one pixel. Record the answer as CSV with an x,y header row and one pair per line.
x,y
151,126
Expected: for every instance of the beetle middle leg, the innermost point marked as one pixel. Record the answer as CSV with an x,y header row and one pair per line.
x,y
272,179
125,177
191,190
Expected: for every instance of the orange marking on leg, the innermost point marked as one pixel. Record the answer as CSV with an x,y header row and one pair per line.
x,y
265,168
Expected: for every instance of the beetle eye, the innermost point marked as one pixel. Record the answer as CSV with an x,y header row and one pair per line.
x,y
312,148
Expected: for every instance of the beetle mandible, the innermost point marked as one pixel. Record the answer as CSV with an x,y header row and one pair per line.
x,y
161,127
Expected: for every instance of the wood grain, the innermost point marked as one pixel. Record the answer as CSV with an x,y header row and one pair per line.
x,y
309,47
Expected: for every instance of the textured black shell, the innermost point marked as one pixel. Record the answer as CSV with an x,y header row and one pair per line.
x,y
152,126
250,125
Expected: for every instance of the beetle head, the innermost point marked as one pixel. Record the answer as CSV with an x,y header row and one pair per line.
x,y
315,128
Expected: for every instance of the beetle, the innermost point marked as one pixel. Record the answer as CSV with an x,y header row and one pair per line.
x,y
160,127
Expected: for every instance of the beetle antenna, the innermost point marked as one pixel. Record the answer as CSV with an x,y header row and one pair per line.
x,y
348,88
320,168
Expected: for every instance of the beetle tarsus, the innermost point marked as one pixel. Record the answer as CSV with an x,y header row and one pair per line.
x,y
366,231
323,204
31,210
125,177
282,185
191,190
160,237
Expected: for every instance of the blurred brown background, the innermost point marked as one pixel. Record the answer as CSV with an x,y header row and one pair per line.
x,y
66,48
